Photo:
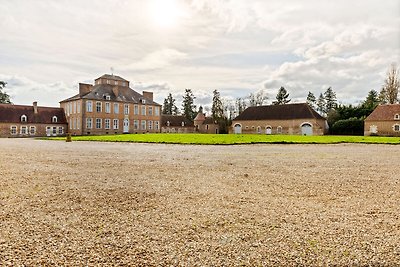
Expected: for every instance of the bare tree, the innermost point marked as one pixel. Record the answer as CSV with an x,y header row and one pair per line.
x,y
390,90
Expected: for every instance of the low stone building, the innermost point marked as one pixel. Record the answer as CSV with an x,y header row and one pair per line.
x,y
296,119
110,106
205,124
383,121
176,124
31,121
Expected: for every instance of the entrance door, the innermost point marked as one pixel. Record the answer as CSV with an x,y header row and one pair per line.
x,y
306,129
268,130
48,131
126,125
238,129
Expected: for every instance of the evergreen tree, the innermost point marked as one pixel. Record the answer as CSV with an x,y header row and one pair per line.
x,y
282,97
372,100
4,97
217,108
189,108
311,100
169,107
321,104
330,100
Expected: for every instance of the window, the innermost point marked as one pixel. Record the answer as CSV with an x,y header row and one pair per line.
x,y
108,82
32,130
157,111
143,110
98,106
116,82
123,83
24,118
150,111
116,108
108,109
24,129
136,110
78,107
74,107
258,129
143,125
396,127
89,123
207,126
60,130
70,107
396,116
108,97
136,124
115,124
279,129
54,119
107,123
13,130
98,123
77,123
126,109
70,123
74,127
150,125
89,107
156,125
54,130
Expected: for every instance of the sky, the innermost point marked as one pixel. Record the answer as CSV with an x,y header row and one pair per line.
x,y
238,47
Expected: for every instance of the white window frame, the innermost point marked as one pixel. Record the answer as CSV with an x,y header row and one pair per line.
x,y
78,107
98,123
60,130
156,125
143,125
157,111
396,126
136,110
396,116
126,109
30,130
89,123
143,110
150,125
150,111
24,130
116,108
279,129
107,124
99,106
24,118
54,119
89,106
107,107
13,130
115,124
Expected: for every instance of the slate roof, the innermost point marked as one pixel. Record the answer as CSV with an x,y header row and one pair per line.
x,y
112,77
12,114
384,113
175,121
125,94
279,112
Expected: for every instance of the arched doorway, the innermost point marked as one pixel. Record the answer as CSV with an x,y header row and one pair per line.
x,y
237,128
268,130
306,129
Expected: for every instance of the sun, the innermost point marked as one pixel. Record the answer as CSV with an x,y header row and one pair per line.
x,y
165,13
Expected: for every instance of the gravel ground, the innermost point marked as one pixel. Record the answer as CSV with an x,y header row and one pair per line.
x,y
101,204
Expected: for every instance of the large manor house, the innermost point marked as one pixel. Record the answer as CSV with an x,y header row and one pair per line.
x,y
110,106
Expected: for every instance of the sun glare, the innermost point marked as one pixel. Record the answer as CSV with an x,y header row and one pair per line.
x,y
165,13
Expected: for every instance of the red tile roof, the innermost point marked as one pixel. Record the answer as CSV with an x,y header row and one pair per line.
x,y
279,112
12,114
384,113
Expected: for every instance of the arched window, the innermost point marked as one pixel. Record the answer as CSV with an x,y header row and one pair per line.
x,y
258,129
54,119
396,116
24,118
279,129
396,128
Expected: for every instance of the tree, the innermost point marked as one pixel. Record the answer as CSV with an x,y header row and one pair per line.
x,y
217,108
372,100
282,97
169,107
311,100
258,98
321,104
330,100
4,97
391,87
240,105
189,108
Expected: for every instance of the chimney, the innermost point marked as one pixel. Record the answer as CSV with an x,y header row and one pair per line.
x,y
35,107
148,95
84,88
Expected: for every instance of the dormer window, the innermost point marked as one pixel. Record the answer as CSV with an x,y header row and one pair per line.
x,y
396,116
183,123
24,118
168,123
54,119
108,97
108,82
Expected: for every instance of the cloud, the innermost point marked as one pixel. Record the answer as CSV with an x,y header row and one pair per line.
x,y
157,60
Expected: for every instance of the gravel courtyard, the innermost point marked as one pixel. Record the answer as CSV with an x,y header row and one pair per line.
x,y
101,204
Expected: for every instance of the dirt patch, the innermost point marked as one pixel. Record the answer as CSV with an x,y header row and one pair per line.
x,y
88,203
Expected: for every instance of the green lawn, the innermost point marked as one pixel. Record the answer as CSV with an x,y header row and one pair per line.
x,y
232,139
